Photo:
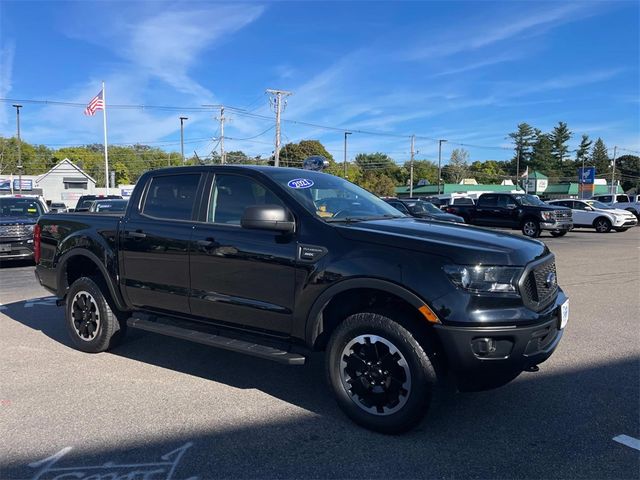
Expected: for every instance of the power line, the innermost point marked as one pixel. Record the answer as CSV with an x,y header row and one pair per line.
x,y
244,112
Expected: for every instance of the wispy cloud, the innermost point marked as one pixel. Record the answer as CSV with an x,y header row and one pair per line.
x,y
496,60
567,81
7,51
505,28
168,44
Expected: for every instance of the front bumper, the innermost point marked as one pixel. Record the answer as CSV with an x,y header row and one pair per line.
x,y
625,222
12,249
489,356
561,225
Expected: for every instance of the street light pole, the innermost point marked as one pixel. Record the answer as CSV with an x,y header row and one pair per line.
x,y
344,163
18,107
440,142
182,119
413,141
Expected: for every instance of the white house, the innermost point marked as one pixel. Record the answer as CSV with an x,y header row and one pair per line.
x,y
65,182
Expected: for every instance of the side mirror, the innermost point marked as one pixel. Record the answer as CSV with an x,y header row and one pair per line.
x,y
268,217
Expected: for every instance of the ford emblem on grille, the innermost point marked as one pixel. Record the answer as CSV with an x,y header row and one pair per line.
x,y
550,280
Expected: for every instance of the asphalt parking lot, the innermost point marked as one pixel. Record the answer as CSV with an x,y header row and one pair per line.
x,y
157,407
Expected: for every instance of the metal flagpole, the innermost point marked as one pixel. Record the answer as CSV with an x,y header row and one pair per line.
x,y
106,154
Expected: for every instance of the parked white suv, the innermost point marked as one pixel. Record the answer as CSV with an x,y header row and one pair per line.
x,y
619,201
594,214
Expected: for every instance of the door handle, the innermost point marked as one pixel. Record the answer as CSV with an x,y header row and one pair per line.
x,y
136,234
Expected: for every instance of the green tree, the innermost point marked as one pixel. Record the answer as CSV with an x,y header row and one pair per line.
x,y
121,173
541,158
237,156
354,173
489,171
422,170
559,138
458,166
374,161
523,138
600,157
628,171
582,154
293,154
378,183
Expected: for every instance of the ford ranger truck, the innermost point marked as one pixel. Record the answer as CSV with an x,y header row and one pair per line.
x,y
279,262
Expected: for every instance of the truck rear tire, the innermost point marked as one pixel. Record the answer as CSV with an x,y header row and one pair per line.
x,y
531,228
92,322
381,375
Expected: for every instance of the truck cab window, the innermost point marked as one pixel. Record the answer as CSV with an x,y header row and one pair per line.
x,y
171,196
488,201
231,194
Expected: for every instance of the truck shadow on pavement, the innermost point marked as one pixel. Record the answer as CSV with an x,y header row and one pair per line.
x,y
555,423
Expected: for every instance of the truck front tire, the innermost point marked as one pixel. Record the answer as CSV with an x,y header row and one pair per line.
x,y
92,322
380,374
531,228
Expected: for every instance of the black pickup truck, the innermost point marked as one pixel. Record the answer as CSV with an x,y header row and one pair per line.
x,y
279,262
516,211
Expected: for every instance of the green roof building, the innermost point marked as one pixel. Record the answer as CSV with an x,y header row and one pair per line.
x,y
449,188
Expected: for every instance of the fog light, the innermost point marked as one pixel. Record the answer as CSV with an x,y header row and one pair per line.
x,y
483,346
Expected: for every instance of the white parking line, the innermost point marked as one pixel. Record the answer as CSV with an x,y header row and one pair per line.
x,y
628,441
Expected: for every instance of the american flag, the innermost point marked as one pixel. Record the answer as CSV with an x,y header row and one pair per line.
x,y
96,103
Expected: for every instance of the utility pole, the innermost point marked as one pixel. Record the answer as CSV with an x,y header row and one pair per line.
x,y
182,119
344,163
222,118
614,190
440,142
18,107
277,100
413,141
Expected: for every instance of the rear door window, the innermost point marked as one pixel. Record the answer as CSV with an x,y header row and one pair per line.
x,y
488,201
172,196
622,198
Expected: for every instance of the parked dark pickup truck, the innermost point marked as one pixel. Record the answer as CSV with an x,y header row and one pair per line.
x,y
279,262
18,217
517,211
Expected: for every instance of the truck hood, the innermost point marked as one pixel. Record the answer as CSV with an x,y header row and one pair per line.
x,y
8,220
461,244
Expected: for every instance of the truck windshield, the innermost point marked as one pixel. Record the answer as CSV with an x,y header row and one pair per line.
x,y
333,198
20,207
529,201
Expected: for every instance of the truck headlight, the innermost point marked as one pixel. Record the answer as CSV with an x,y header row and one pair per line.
x,y
484,279
547,216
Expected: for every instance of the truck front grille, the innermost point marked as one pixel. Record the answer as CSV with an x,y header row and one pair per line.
x,y
540,286
15,231
563,214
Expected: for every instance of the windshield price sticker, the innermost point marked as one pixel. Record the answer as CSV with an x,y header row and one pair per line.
x,y
300,183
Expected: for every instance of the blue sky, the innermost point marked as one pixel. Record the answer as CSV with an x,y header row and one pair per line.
x,y
463,71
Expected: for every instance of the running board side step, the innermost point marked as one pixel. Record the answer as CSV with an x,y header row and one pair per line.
x,y
219,341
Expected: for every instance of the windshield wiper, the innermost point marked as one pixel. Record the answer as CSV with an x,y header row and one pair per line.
x,y
344,220
364,219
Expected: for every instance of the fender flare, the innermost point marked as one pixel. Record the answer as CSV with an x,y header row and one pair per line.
x,y
314,317
602,215
62,270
